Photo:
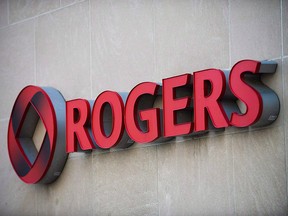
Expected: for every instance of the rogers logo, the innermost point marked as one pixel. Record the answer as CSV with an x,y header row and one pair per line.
x,y
192,104
33,105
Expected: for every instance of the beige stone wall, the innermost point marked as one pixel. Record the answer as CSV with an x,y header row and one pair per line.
x,y
85,47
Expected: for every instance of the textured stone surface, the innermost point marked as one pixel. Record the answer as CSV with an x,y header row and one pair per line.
x,y
255,30
72,194
195,177
122,44
17,63
3,13
62,51
259,172
285,26
189,36
125,182
285,111
23,9
68,2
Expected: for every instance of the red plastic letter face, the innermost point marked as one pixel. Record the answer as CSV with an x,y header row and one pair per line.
x,y
103,139
77,118
151,116
250,97
210,103
171,105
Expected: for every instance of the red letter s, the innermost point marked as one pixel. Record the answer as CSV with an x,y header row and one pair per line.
x,y
246,93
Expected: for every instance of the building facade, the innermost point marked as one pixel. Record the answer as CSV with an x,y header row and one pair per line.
x,y
85,47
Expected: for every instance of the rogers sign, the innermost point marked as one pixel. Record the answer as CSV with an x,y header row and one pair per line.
x,y
192,104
